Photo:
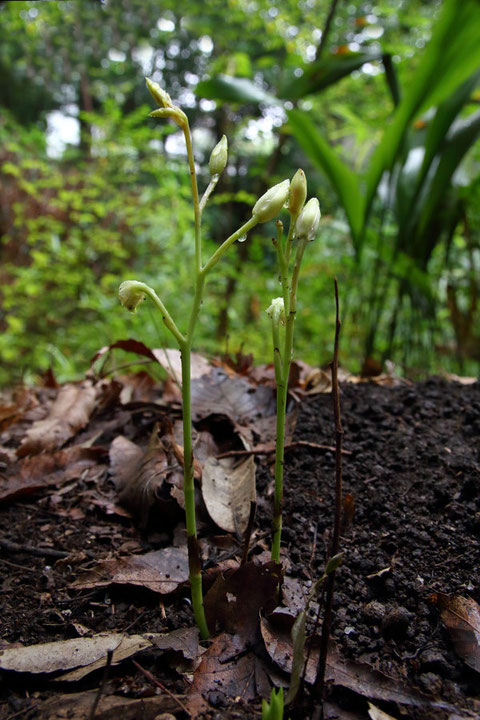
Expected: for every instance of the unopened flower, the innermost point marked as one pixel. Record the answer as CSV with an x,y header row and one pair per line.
x,y
276,311
269,205
308,220
298,192
219,157
130,295
161,97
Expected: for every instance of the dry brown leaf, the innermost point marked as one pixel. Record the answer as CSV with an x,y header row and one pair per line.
x,y
85,653
143,477
78,706
228,488
226,668
69,413
161,571
236,597
358,677
41,471
461,616
237,399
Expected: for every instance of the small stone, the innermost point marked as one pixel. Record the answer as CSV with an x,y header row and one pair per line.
x,y
374,612
395,623
431,683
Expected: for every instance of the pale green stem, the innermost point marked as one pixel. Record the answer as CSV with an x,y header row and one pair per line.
x,y
196,203
282,391
166,317
283,265
210,188
226,244
279,444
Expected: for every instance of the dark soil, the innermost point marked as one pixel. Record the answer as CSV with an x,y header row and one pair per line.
x,y
412,472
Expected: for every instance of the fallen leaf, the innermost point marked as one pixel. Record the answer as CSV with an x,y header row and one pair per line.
x,y
170,360
461,616
358,677
161,571
69,413
151,479
224,668
228,488
219,394
184,640
35,473
236,597
87,653
78,706
377,714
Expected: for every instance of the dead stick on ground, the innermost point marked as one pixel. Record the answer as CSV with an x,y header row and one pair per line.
x,y
271,451
157,682
330,582
37,551
100,690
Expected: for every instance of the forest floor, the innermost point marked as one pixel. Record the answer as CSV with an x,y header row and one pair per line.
x,y
93,558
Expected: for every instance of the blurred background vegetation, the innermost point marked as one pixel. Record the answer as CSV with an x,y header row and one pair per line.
x,y
378,102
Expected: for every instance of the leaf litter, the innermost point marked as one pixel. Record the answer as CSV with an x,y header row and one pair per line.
x,y
128,426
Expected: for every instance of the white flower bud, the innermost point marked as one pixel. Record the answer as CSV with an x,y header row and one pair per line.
x,y
308,220
298,193
161,97
130,295
219,157
269,205
276,311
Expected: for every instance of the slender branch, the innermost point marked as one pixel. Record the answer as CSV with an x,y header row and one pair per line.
x,y
330,584
210,188
219,252
196,203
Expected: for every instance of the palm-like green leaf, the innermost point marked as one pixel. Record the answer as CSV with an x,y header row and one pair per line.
x,y
342,178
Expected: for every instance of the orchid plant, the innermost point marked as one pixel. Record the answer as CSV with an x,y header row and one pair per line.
x,y
132,293
304,220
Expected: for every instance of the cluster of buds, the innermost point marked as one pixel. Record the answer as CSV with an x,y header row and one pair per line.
x,y
307,216
166,107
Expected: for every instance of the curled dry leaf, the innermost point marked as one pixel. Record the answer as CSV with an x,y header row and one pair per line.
x,y
69,413
228,488
144,477
161,571
377,714
461,616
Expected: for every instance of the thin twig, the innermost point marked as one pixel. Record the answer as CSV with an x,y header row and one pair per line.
x,y
248,532
101,687
270,451
37,551
330,584
157,682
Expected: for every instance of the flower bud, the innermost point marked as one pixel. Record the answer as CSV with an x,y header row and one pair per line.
x,y
219,157
298,193
308,220
270,204
276,311
130,295
161,97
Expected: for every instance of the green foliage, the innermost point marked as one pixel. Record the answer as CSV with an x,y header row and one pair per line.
x,y
76,229
274,709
